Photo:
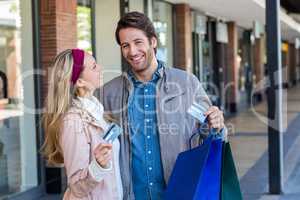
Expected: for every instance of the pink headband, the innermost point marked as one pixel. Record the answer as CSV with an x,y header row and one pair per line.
x,y
78,59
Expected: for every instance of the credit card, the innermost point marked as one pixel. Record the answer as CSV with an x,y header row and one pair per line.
x,y
197,111
112,133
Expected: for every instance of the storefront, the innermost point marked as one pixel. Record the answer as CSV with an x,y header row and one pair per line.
x,y
285,63
245,67
201,61
205,55
22,169
19,159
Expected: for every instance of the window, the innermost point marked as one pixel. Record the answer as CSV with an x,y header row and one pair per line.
x,y
18,149
162,20
84,25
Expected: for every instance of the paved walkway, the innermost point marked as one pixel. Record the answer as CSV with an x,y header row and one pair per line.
x,y
249,145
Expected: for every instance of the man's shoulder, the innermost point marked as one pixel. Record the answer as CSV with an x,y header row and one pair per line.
x,y
110,92
114,84
177,74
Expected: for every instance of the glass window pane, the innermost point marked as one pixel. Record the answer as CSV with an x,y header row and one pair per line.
x,y
84,25
18,152
162,20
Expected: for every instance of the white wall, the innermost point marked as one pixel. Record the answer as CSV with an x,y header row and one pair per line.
x,y
107,50
136,5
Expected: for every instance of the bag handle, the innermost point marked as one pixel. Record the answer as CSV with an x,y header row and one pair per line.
x,y
197,111
202,137
212,133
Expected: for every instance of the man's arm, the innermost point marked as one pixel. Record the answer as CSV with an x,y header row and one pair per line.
x,y
214,115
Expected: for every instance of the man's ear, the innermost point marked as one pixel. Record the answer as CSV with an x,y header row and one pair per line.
x,y
154,42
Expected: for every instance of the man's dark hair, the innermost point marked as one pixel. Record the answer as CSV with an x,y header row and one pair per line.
x,y
136,20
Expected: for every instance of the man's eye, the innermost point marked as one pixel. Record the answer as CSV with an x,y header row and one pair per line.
x,y
125,46
94,67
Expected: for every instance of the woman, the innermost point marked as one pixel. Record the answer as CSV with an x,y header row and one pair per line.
x,y
74,126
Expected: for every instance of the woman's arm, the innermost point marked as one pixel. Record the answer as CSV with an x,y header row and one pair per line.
x,y
83,175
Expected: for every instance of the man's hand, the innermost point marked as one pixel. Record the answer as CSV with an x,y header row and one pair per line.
x,y
215,118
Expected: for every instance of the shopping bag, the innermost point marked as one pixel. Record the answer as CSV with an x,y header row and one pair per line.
x,y
230,187
197,173
230,183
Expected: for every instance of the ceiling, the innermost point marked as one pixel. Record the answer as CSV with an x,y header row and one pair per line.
x,y
244,13
292,6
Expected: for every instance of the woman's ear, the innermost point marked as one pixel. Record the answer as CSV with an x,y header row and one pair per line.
x,y
85,85
80,83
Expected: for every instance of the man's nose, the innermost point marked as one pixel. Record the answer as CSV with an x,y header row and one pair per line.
x,y
132,50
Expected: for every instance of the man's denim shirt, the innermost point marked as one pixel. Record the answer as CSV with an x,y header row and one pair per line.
x,y
147,172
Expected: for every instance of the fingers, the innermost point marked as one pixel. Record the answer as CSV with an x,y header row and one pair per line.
x,y
215,118
102,147
103,159
211,110
104,163
103,154
102,150
216,123
215,114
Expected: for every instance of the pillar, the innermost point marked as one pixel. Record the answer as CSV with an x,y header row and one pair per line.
x,y
292,64
232,69
258,73
58,28
58,31
183,37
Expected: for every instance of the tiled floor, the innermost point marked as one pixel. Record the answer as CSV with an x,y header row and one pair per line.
x,y
249,144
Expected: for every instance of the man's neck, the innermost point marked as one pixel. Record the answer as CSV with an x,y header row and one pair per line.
x,y
146,75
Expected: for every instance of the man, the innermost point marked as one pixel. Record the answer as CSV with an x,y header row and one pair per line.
x,y
150,101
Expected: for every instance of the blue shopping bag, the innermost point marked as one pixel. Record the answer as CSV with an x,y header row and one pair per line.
x,y
197,172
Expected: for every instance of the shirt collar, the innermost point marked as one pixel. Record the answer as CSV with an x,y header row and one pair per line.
x,y
157,74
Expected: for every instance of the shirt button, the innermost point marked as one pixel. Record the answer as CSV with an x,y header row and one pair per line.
x,y
146,105
150,168
149,152
151,184
146,90
148,137
147,120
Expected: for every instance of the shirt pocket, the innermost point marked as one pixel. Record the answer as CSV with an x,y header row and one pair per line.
x,y
173,103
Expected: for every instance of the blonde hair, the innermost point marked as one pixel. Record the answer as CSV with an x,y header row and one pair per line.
x,y
60,92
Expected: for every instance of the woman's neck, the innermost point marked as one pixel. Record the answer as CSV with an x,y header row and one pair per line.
x,y
84,93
